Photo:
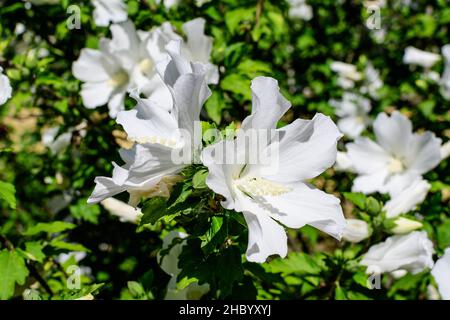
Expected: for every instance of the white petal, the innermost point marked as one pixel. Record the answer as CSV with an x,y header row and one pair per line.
x,y
441,273
148,121
198,45
424,152
306,205
356,230
306,149
268,105
265,238
369,183
367,156
393,133
407,199
352,127
91,67
96,94
116,104
5,88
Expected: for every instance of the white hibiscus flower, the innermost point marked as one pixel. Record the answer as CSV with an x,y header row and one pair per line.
x,y
348,74
412,253
269,197
353,112
5,88
107,11
164,140
396,159
441,273
106,81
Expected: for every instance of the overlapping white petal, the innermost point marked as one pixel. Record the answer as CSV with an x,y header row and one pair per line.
x,y
271,195
356,230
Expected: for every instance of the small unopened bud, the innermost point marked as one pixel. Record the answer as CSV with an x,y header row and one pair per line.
x,y
404,225
356,230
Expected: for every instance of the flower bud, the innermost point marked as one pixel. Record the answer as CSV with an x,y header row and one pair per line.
x,y
356,230
404,225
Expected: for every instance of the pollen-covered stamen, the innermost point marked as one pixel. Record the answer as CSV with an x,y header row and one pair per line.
x,y
395,165
119,79
154,139
146,65
256,186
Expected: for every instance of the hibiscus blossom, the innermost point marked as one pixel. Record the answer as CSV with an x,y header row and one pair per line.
x,y
269,197
396,159
164,141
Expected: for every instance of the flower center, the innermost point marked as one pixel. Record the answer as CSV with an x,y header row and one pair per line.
x,y
119,79
256,186
154,139
395,165
146,65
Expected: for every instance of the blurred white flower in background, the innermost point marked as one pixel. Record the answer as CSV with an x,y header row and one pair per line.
x,y
169,263
124,211
445,79
282,195
299,9
407,199
127,62
396,159
352,111
419,57
105,79
348,74
109,11
5,87
168,3
356,230
412,252
56,143
372,82
441,273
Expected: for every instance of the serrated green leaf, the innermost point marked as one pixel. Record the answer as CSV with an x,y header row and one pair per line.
x,y
13,270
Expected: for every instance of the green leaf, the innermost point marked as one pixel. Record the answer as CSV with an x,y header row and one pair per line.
x,y
228,270
198,180
356,198
33,251
136,289
214,107
7,193
443,234
295,262
52,227
84,211
154,209
12,270
58,244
